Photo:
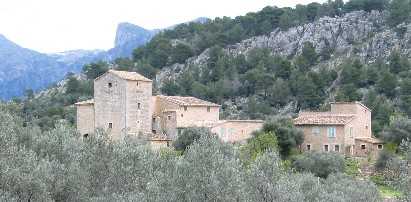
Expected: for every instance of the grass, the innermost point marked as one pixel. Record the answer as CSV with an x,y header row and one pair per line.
x,y
389,192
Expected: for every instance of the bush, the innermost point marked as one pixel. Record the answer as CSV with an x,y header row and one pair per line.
x,y
320,164
260,143
288,136
188,137
398,131
383,158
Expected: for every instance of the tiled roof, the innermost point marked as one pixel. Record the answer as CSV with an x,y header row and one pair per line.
x,y
188,101
133,76
370,140
323,119
87,102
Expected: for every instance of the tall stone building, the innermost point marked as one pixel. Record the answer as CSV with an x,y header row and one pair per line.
x,y
345,129
123,104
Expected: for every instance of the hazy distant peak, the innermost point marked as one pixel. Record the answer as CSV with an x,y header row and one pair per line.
x,y
127,32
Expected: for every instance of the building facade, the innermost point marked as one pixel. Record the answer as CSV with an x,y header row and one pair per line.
x,y
345,129
123,104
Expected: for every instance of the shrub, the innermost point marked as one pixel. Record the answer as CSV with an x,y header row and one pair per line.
x,y
320,164
188,137
288,136
258,144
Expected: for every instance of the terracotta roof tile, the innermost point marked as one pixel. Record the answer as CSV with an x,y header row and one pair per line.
x,y
188,101
134,76
370,140
323,119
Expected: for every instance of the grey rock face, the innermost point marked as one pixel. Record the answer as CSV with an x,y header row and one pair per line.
x,y
360,34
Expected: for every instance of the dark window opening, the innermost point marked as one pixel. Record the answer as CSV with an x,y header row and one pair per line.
x,y
85,135
110,85
208,109
138,105
363,146
154,120
182,115
169,117
154,131
326,148
185,108
379,146
337,148
308,147
137,83
110,125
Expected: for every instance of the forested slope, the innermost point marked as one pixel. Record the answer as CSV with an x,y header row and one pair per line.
x,y
276,61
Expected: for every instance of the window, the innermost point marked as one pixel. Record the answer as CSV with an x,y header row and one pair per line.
x,y
208,109
182,115
169,117
331,132
138,105
337,148
110,125
137,83
185,108
154,120
363,146
85,135
326,148
351,132
366,127
308,147
110,85
316,131
380,146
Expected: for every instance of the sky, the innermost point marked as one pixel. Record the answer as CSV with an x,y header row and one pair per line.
x,y
59,25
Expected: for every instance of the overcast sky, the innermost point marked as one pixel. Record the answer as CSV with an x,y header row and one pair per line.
x,y
60,25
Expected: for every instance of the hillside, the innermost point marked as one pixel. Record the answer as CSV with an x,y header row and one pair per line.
x,y
302,63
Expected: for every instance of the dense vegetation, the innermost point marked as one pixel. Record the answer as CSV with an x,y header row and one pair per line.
x,y
59,165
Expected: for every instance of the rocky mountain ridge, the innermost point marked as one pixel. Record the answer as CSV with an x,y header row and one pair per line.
x,y
361,34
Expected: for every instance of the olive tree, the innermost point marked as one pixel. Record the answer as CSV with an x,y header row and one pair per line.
x,y
321,164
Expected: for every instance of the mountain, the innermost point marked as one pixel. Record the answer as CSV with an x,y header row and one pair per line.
x,y
21,69
128,37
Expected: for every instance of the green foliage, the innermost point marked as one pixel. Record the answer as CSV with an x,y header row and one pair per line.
x,y
307,58
60,165
188,136
399,11
257,145
398,131
366,5
352,167
94,70
288,136
387,84
383,158
321,164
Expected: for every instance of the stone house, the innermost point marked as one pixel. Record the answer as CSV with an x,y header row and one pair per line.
x,y
123,104
345,129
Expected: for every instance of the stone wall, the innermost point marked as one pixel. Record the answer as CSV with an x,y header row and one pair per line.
x,y
85,119
193,115
110,104
139,107
236,130
317,141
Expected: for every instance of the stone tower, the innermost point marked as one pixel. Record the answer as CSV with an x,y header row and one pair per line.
x,y
122,103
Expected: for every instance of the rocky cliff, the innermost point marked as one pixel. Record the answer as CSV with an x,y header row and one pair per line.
x,y
361,34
